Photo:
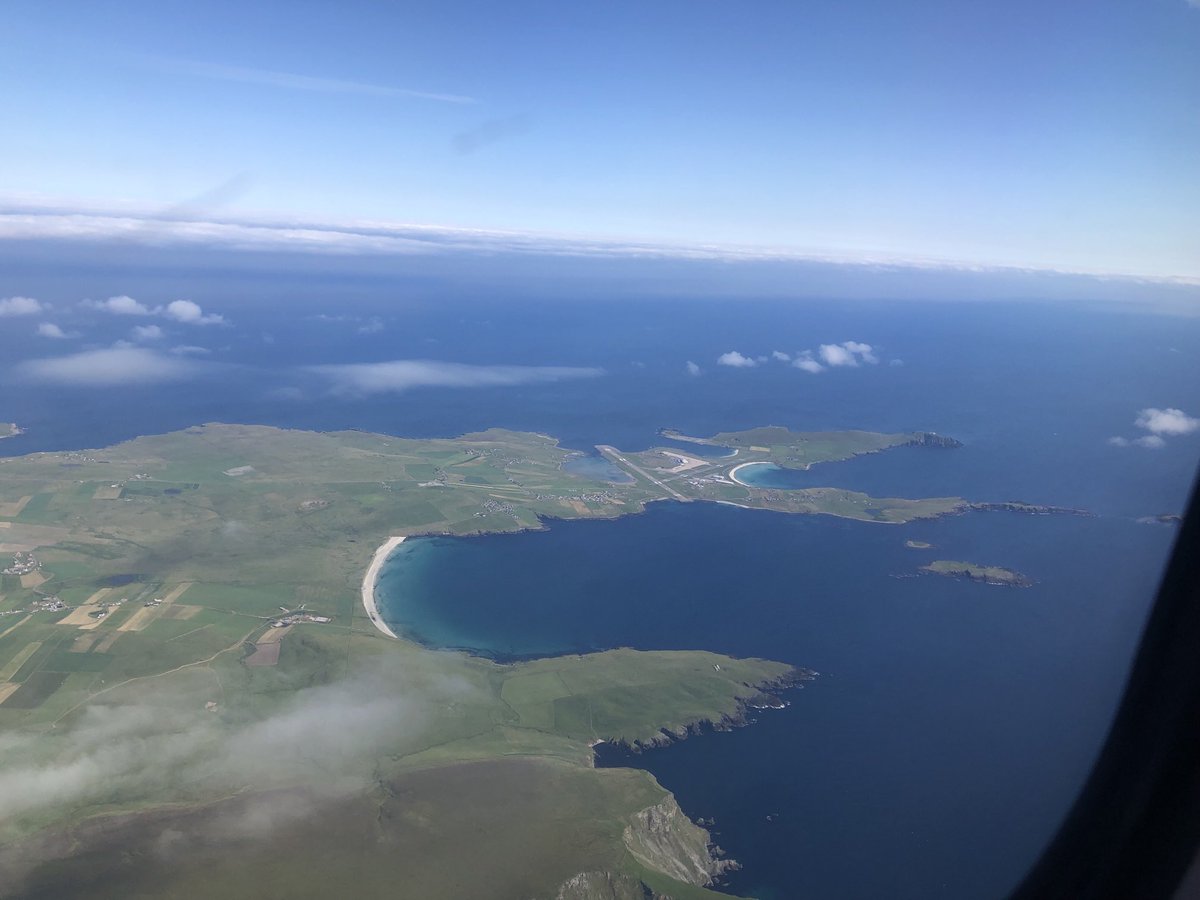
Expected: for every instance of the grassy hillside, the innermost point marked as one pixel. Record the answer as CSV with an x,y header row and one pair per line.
x,y
183,651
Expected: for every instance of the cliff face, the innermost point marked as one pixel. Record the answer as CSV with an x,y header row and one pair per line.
x,y
603,886
661,837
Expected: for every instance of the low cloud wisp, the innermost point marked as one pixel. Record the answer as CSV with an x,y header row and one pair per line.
x,y
110,367
406,374
171,744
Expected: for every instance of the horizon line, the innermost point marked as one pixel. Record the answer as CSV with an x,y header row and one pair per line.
x,y
28,218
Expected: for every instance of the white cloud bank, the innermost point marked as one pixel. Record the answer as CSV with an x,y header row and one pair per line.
x,y
407,374
845,354
112,367
1166,421
185,311
848,353
20,306
805,362
735,360
166,745
191,314
50,330
119,306
1161,423
143,226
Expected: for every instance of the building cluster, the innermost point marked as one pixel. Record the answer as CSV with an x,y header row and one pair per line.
x,y
500,455
293,618
592,497
700,480
495,506
23,564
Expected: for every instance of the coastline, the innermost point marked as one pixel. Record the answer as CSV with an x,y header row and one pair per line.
x,y
368,584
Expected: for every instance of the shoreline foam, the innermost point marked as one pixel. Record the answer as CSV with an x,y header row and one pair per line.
x,y
369,581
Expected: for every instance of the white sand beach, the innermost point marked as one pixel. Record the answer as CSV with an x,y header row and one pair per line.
x,y
733,472
368,585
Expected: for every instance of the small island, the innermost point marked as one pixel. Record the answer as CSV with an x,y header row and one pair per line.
x,y
918,545
967,571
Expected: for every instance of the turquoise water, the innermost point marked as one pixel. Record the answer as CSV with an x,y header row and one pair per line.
x,y
766,475
597,467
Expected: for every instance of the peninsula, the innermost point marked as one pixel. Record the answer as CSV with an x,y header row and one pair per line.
x,y
192,616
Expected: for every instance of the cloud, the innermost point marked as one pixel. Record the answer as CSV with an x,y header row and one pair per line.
x,y
190,350
693,369
780,355
848,353
406,374
123,365
736,360
166,746
190,313
864,351
1161,423
1166,421
805,362
290,81
147,333
119,306
184,311
127,223
50,330
20,306
836,355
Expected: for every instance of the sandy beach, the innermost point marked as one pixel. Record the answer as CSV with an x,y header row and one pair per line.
x,y
733,472
368,585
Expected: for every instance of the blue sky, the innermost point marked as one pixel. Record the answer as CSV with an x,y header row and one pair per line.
x,y
1062,135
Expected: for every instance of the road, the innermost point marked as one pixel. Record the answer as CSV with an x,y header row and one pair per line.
x,y
615,456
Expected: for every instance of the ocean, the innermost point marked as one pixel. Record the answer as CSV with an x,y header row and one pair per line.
x,y
952,722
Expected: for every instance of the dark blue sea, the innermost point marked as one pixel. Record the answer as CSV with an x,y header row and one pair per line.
x,y
951,724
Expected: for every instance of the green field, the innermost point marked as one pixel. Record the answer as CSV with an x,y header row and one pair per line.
x,y
192,543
